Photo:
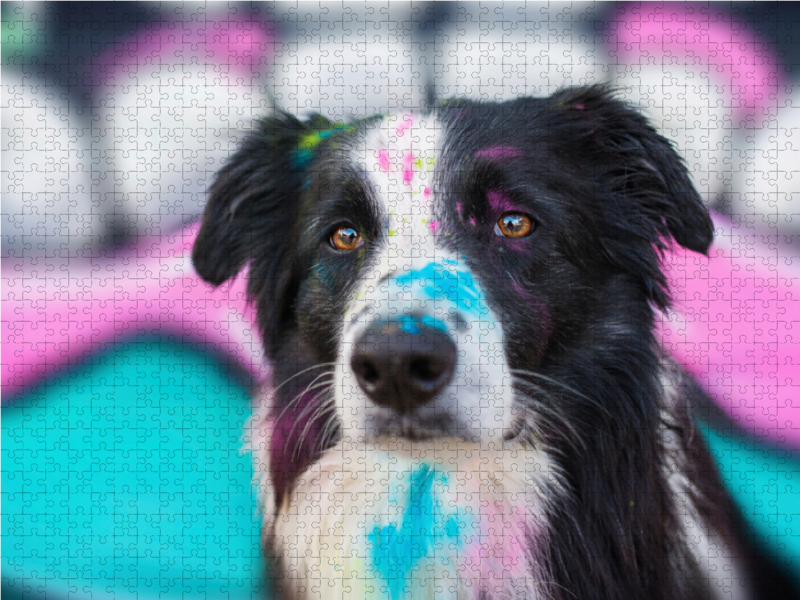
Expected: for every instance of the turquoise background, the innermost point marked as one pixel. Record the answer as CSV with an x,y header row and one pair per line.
x,y
124,478
765,483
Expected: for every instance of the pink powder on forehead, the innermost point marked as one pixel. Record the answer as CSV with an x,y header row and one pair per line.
x,y
408,167
499,153
433,225
383,159
427,192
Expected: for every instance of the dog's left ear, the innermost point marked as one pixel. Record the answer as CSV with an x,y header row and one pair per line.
x,y
640,167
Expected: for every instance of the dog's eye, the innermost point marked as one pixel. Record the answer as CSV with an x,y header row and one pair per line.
x,y
346,238
514,225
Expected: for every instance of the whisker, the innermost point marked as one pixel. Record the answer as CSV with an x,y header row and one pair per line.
x,y
304,410
561,384
306,370
559,586
535,408
312,405
327,408
300,395
330,431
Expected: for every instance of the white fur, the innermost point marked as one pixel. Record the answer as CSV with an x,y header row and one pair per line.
x,y
725,576
325,529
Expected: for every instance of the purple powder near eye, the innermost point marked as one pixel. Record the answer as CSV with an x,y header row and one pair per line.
x,y
499,153
498,201
579,106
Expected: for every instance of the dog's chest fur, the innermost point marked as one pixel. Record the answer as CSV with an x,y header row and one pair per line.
x,y
432,522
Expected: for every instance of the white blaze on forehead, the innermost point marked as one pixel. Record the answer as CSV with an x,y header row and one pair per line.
x,y
400,157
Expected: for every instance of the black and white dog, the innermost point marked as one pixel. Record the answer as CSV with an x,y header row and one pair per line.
x,y
469,400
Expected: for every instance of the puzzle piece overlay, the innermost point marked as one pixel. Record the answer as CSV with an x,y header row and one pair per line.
x,y
126,380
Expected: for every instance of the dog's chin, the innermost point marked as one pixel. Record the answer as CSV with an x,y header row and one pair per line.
x,y
412,428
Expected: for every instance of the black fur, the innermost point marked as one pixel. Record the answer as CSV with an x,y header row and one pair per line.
x,y
577,300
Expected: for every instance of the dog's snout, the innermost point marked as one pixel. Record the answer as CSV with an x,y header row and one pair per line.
x,y
402,365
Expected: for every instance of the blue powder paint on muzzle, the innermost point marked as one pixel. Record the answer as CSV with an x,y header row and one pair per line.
x,y
397,549
442,281
415,325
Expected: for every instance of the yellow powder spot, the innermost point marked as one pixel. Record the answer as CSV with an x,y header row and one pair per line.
x,y
418,163
392,232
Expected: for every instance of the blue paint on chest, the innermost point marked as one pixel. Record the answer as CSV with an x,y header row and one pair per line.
x,y
442,281
396,549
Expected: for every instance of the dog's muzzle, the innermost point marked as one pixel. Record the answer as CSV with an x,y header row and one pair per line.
x,y
422,357
403,364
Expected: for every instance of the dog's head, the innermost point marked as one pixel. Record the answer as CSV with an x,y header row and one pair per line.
x,y
421,276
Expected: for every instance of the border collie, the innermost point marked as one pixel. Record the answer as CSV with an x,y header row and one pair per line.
x,y
469,401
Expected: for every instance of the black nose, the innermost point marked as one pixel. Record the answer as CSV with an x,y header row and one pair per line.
x,y
403,365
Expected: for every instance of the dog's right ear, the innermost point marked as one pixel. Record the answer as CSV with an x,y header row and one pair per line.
x,y
252,197
251,213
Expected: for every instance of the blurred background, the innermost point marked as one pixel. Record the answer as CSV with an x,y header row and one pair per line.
x,y
127,382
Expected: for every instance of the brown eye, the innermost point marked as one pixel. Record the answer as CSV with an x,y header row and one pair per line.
x,y
346,238
514,225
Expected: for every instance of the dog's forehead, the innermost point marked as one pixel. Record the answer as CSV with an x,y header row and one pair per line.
x,y
399,157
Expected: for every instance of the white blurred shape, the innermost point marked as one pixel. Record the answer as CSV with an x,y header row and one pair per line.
x,y
347,64
173,107
689,108
49,203
766,189
505,51
346,81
